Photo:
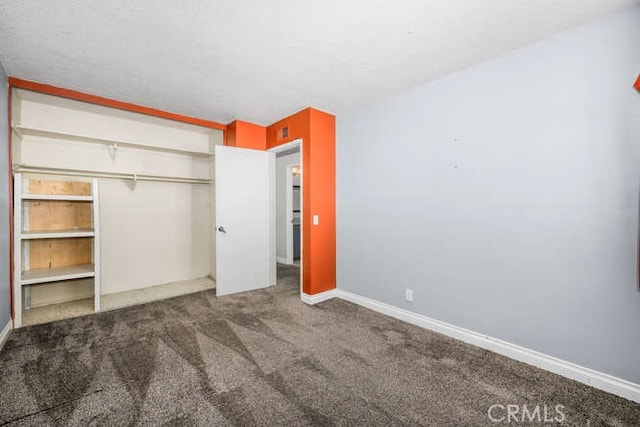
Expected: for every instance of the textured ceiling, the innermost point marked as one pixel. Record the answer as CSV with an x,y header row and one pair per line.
x,y
261,60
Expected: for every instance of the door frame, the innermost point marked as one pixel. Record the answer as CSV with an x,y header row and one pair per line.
x,y
296,143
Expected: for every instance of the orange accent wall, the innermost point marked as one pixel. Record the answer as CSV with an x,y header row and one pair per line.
x,y
637,84
317,130
246,135
107,102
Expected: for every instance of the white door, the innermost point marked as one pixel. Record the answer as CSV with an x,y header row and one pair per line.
x,y
245,219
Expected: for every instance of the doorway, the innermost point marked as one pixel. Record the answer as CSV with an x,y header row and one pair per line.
x,y
294,220
289,207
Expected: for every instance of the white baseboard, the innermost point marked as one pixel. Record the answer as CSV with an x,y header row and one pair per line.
x,y
4,335
281,260
317,298
593,378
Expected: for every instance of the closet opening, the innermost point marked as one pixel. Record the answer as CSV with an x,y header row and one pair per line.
x,y
110,207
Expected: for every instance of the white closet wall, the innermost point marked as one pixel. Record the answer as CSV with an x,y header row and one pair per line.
x,y
152,233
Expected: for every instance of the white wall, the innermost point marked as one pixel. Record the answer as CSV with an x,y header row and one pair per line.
x,y
158,233
506,196
282,163
153,234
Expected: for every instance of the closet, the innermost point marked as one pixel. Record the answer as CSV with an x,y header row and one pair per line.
x,y
111,207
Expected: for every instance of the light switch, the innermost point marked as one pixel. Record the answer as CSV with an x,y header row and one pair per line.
x,y
315,220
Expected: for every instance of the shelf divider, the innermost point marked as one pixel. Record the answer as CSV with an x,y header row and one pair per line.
x,y
59,234
46,275
57,197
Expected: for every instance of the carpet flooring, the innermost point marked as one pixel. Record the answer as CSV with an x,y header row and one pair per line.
x,y
265,358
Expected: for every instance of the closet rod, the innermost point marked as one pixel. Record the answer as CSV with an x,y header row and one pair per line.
x,y
18,168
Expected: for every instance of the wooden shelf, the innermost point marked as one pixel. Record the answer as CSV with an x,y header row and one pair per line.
x,y
57,197
45,275
31,131
59,234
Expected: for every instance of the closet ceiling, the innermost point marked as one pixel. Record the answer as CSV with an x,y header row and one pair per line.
x,y
262,60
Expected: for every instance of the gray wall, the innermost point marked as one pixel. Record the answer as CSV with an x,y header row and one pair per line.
x,y
506,196
5,309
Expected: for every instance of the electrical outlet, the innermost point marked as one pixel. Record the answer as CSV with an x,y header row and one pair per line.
x,y
408,295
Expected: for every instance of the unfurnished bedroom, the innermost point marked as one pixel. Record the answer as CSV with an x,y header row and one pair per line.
x,y
320,213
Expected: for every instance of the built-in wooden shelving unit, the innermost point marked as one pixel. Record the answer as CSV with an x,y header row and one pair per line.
x,y
56,236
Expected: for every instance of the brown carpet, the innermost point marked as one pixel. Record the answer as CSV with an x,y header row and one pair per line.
x,y
265,358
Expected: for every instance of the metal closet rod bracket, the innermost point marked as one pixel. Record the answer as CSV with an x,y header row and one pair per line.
x,y
134,181
113,149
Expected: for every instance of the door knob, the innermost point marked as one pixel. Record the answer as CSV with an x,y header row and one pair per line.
x,y
222,230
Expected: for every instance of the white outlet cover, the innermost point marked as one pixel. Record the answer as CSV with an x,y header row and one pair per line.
x,y
408,295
